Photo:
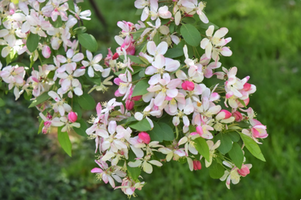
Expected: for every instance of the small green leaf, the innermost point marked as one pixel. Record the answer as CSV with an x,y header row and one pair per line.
x,y
142,125
161,131
40,99
252,146
202,147
32,42
64,141
236,155
191,35
86,102
80,30
88,41
140,88
41,126
2,102
216,170
82,129
134,172
226,142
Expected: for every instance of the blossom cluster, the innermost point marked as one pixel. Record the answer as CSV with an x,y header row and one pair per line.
x,y
174,99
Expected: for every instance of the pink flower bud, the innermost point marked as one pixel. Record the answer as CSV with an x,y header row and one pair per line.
x,y
238,116
129,105
197,165
188,85
115,56
144,137
72,117
244,171
46,51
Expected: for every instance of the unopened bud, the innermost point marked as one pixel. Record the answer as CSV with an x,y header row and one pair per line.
x,y
197,165
244,171
144,137
72,116
238,116
129,105
188,85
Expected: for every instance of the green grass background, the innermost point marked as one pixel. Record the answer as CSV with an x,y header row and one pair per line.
x,y
266,45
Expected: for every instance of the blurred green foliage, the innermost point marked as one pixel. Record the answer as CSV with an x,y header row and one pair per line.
x,y
266,45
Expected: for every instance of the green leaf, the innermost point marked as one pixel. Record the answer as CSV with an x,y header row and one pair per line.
x,y
140,88
76,108
174,53
71,5
171,27
134,59
191,35
202,147
80,30
27,96
157,38
40,99
134,172
234,136
88,41
142,125
64,141
226,142
252,146
41,126
216,170
236,155
86,102
128,120
82,129
57,23
2,102
188,20
32,42
162,131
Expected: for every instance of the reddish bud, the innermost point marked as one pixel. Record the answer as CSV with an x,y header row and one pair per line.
x,y
244,171
115,56
188,85
136,98
144,137
72,117
197,165
129,105
238,116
